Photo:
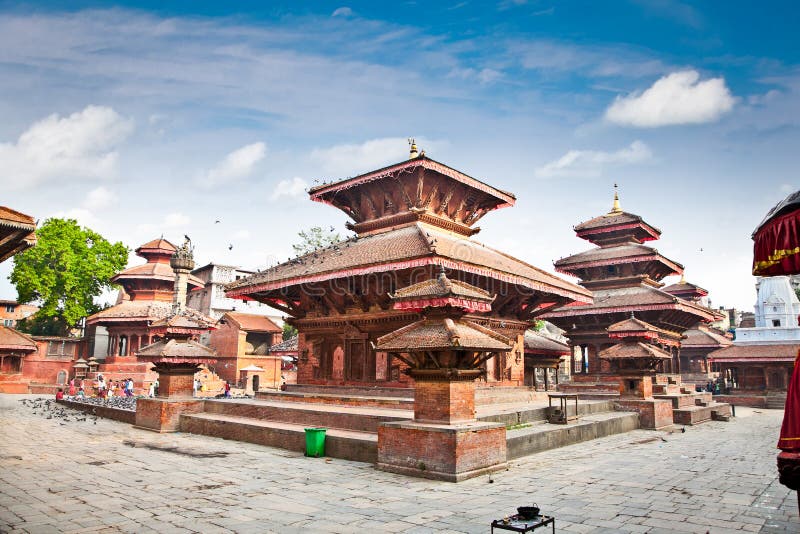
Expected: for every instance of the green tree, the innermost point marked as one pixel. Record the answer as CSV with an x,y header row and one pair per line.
x,y
65,271
288,331
314,238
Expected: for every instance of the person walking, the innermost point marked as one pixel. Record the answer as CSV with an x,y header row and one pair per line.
x,y
227,390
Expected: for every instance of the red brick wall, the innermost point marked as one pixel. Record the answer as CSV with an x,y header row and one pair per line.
x,y
175,386
437,453
444,402
225,339
653,414
164,415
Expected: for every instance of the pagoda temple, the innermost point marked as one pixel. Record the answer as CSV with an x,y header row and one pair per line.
x,y
625,277
410,219
147,296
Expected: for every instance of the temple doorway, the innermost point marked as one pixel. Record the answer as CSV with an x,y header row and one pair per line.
x,y
256,379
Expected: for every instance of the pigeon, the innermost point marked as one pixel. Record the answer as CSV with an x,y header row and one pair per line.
x,y
230,246
216,222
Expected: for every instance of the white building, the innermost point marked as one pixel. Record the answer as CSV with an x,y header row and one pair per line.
x,y
776,314
212,301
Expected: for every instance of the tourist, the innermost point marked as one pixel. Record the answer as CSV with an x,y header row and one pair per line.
x,y
151,392
60,394
72,387
155,391
110,390
81,394
196,387
227,390
129,387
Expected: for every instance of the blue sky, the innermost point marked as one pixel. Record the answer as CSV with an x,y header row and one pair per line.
x,y
145,118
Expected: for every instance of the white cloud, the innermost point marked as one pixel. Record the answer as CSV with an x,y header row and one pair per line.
x,y
678,98
289,188
82,145
241,235
589,163
171,221
99,198
352,158
83,216
236,165
343,12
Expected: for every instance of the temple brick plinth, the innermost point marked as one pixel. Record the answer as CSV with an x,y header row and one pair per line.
x,y
444,401
163,415
176,382
451,453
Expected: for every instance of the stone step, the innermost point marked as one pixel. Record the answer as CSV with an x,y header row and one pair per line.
x,y
776,402
589,387
359,391
339,417
344,444
518,415
686,399
336,399
694,415
544,436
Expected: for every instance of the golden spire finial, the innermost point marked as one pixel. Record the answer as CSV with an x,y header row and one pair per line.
x,y
414,153
616,208
683,278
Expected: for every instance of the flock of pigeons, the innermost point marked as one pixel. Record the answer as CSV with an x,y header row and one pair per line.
x,y
50,409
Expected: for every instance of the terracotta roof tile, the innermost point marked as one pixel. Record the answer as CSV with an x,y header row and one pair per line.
x,y
632,324
443,334
177,351
638,350
700,337
611,220
158,244
629,253
158,271
441,286
536,343
785,352
414,245
11,339
143,310
288,345
254,323
9,217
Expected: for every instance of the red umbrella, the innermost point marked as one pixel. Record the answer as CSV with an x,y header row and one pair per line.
x,y
776,248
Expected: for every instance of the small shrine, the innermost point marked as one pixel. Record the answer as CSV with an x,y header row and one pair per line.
x,y
444,354
176,356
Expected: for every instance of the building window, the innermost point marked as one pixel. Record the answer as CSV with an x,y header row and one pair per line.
x,y
776,322
8,322
10,308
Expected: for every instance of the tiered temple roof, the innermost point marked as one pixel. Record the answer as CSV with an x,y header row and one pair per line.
x,y
624,276
17,232
155,279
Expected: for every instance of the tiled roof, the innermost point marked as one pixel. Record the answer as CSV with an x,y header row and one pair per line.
x,y
9,217
629,253
443,334
631,299
632,324
142,310
11,339
288,345
784,352
177,351
158,244
158,271
612,219
684,287
427,163
410,246
536,343
187,318
700,337
638,350
441,286
254,323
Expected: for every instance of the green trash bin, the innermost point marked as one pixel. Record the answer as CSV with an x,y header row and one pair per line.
x,y
315,442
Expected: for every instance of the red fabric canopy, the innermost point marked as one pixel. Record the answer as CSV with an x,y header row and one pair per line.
x,y
790,430
776,250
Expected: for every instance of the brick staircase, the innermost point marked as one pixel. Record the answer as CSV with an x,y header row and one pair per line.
x,y
279,419
776,400
691,407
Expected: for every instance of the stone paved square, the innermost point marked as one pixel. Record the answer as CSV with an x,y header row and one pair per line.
x,y
85,476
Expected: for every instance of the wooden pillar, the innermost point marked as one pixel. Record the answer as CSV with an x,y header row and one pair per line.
x,y
535,382
546,381
557,374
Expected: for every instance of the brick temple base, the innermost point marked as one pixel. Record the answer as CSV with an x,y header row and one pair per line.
x,y
445,402
653,413
164,415
440,451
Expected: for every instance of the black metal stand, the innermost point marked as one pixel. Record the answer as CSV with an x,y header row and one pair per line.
x,y
516,523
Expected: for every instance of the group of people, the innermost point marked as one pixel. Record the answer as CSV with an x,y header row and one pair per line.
x,y
114,387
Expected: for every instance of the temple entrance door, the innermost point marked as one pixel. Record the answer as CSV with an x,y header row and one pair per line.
x,y
61,379
776,379
256,379
359,361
